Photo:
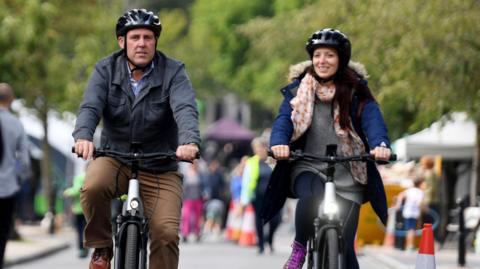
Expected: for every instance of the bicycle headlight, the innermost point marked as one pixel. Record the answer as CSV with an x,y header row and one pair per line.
x,y
134,204
330,209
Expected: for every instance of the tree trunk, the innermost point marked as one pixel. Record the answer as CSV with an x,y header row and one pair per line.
x,y
474,186
46,170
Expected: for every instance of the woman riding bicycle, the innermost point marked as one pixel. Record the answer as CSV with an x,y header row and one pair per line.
x,y
328,102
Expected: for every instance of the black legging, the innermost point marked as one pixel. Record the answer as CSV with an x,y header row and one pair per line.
x,y
272,224
310,189
80,226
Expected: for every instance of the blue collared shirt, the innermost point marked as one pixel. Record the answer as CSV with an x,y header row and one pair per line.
x,y
137,86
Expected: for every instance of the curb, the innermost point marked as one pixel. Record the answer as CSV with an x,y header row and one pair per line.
x,y
40,254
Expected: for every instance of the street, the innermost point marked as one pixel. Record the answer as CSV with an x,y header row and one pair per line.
x,y
211,253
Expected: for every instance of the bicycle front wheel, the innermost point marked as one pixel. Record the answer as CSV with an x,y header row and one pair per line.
x,y
132,247
328,250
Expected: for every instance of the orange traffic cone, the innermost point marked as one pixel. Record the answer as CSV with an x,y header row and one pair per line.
x,y
389,240
229,228
234,222
237,222
247,235
426,252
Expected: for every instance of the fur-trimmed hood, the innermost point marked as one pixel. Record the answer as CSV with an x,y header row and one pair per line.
x,y
297,69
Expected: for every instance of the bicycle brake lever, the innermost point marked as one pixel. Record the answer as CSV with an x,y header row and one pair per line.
x,y
78,155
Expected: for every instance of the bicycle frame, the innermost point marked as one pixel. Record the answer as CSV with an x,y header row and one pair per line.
x,y
131,223
327,239
132,213
327,218
131,236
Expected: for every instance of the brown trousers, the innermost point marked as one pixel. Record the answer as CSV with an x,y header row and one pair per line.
x,y
162,199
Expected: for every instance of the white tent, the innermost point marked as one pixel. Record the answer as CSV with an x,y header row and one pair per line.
x,y
451,137
60,128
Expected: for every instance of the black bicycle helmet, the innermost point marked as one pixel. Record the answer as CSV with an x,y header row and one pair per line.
x,y
331,38
138,18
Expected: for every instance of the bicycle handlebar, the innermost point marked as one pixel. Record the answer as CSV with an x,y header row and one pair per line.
x,y
365,157
136,156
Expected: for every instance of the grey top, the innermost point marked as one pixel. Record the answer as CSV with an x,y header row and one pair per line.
x,y
162,116
318,136
16,161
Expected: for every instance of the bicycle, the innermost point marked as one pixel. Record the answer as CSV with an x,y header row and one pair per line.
x,y
325,248
131,233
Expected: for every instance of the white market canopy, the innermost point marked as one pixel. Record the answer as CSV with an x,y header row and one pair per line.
x,y
60,128
453,138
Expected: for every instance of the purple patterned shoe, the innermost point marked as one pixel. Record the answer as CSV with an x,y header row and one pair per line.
x,y
297,258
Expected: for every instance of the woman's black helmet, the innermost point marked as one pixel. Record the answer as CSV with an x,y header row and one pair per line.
x,y
138,18
329,37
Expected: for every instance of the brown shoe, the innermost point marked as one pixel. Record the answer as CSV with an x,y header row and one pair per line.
x,y
101,258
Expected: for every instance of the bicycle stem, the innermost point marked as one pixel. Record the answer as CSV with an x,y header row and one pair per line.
x,y
133,193
330,207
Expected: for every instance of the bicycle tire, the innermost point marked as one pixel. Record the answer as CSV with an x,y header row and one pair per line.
x,y
328,250
131,247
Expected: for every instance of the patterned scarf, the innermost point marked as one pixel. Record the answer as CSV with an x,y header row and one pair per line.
x,y
303,105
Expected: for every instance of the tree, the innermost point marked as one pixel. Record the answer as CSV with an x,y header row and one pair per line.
x,y
213,47
418,72
158,5
42,45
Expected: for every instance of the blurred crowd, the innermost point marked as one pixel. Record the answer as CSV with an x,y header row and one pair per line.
x,y
223,197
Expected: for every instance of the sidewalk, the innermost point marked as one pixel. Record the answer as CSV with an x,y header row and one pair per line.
x,y
397,259
36,243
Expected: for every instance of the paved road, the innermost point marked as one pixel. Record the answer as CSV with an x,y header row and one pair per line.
x,y
215,253
212,253
66,259
221,255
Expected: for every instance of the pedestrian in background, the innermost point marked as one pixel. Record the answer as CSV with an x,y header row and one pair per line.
x,y
235,211
215,195
74,193
15,163
193,195
236,180
254,186
432,180
412,200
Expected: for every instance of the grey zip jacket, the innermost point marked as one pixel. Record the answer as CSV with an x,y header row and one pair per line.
x,y
15,165
162,116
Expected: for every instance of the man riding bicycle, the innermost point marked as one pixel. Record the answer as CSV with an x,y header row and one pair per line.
x,y
145,99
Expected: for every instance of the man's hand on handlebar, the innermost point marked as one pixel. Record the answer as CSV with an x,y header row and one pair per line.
x,y
84,148
188,152
281,151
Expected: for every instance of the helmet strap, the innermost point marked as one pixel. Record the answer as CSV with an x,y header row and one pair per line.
x,y
322,80
325,80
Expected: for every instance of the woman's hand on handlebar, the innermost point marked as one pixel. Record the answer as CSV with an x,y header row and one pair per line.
x,y
280,151
381,153
84,148
188,152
